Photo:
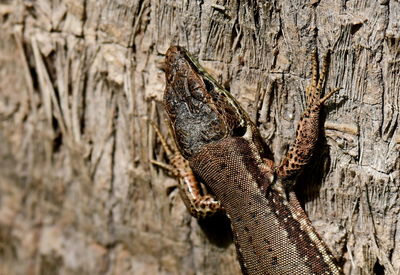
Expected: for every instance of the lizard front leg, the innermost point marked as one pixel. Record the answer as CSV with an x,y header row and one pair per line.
x,y
199,205
307,132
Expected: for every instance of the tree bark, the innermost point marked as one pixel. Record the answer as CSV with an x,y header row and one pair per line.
x,y
81,80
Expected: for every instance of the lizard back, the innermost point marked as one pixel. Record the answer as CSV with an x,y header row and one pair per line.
x,y
272,233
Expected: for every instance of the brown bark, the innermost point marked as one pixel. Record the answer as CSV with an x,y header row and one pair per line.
x,y
80,81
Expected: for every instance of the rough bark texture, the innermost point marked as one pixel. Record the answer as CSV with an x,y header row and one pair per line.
x,y
80,80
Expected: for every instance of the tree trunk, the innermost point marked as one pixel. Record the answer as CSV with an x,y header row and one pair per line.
x,y
81,80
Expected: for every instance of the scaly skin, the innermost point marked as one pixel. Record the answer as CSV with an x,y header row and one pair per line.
x,y
224,149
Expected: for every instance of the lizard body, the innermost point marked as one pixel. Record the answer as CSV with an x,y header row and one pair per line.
x,y
224,150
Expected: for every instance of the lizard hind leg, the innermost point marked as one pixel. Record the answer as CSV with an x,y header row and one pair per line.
x,y
199,205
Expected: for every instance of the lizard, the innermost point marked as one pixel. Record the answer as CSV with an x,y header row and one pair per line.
x,y
217,144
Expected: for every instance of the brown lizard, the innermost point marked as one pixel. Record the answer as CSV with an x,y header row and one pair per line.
x,y
218,144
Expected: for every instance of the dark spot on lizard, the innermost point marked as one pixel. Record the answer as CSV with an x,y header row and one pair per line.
x,y
222,166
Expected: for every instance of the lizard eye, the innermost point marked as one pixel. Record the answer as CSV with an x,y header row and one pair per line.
x,y
239,131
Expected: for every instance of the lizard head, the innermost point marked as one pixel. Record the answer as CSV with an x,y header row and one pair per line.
x,y
201,111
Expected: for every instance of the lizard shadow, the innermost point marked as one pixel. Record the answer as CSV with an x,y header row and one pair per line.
x,y
217,229
309,182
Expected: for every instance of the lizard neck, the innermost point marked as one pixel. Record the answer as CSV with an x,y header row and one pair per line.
x,y
271,231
